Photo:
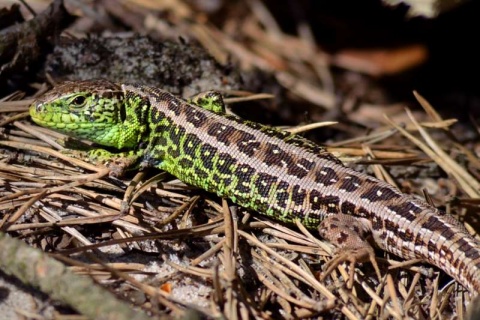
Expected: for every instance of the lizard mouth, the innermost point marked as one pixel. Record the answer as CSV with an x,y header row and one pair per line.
x,y
64,121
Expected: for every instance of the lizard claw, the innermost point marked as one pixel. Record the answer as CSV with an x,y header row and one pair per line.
x,y
352,256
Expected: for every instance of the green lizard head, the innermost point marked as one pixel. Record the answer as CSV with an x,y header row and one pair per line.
x,y
96,110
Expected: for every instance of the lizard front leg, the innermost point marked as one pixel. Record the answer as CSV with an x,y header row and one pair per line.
x,y
117,162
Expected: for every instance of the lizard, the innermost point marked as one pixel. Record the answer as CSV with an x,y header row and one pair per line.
x,y
276,173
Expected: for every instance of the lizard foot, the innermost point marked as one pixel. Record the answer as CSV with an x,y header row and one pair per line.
x,y
348,234
352,256
116,164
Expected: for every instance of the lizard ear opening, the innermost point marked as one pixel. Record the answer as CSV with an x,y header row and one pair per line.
x,y
123,112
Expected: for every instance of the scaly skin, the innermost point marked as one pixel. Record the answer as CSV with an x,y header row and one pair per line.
x,y
281,175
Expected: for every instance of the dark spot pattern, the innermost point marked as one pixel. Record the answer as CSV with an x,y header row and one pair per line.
x,y
403,211
177,134
298,195
378,193
406,235
244,172
282,195
436,225
173,151
347,207
356,229
221,132
390,225
326,176
160,140
161,96
301,168
463,245
207,153
224,163
216,178
174,106
414,208
195,117
363,213
142,112
201,173
448,253
247,143
185,163
332,204
264,184
342,237
315,200
275,156
472,252
391,242
448,233
157,116
190,144
351,183
377,223
418,241
227,181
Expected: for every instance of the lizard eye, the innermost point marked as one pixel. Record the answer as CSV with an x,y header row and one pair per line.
x,y
79,101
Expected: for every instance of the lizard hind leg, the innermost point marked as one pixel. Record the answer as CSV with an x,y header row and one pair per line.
x,y
209,100
348,235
